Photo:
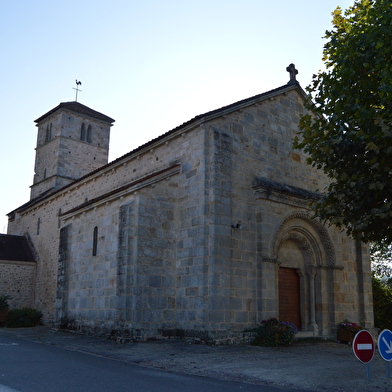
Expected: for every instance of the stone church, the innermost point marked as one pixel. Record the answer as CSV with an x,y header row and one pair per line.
x,y
203,231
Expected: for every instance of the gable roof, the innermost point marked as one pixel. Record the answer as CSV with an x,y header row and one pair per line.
x,y
78,108
225,110
15,248
186,125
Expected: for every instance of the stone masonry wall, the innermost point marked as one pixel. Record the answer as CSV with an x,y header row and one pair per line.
x,y
132,168
257,142
17,280
129,282
65,155
184,240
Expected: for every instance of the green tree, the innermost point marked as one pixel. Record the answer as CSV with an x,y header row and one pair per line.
x,y
382,304
350,134
381,259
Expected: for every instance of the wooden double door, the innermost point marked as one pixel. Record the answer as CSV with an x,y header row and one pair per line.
x,y
289,296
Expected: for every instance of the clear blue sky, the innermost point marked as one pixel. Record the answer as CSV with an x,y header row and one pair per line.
x,y
149,64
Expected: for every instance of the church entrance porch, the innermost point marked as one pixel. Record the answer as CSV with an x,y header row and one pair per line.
x,y
303,274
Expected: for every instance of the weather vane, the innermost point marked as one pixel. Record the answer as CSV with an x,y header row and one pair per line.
x,y
78,83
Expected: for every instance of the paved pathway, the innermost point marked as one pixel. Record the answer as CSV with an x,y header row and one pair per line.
x,y
314,366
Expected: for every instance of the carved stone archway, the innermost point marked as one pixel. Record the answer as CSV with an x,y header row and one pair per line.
x,y
302,224
295,251
302,244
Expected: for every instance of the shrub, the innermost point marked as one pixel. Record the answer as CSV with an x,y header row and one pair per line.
x,y
4,301
22,318
273,332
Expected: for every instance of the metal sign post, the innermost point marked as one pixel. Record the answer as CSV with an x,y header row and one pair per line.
x,y
384,344
363,347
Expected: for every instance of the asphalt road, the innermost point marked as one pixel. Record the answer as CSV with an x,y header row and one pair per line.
x,y
32,367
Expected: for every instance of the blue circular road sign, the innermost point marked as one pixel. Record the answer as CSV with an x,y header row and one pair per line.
x,y
385,344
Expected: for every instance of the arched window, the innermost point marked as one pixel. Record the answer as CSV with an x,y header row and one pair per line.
x,y
83,132
89,133
95,241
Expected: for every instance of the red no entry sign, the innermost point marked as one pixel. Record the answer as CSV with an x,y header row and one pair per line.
x,y
363,346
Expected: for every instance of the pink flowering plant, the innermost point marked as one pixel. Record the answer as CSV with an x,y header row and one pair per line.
x,y
349,326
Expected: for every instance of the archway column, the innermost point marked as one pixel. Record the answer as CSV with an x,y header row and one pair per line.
x,y
311,272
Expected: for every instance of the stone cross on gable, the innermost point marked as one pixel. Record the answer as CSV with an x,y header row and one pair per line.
x,y
293,72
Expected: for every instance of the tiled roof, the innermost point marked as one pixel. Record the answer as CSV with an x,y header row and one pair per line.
x,y
77,108
15,248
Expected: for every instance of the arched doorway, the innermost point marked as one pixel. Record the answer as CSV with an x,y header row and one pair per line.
x,y
293,255
289,296
302,253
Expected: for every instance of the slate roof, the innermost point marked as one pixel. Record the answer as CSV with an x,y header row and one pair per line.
x,y
77,108
15,248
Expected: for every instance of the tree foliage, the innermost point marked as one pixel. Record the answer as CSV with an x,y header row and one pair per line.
x,y
381,259
382,303
350,134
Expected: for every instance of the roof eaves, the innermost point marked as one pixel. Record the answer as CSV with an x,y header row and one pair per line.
x,y
77,107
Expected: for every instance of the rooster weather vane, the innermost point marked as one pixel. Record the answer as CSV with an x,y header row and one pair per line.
x,y
78,83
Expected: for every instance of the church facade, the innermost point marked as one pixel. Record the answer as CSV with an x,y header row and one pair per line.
x,y
203,231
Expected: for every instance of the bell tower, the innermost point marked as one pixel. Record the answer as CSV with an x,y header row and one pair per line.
x,y
72,141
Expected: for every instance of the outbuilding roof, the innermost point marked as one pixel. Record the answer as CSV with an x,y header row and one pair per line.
x,y
15,248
